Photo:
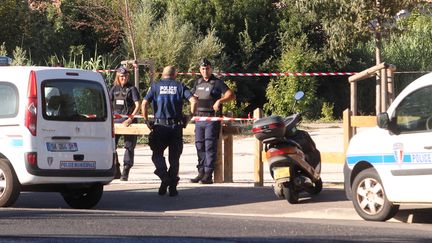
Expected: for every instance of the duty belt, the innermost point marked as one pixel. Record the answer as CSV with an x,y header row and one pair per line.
x,y
206,113
168,121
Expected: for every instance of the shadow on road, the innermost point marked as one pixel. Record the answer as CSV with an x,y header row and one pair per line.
x,y
418,215
260,200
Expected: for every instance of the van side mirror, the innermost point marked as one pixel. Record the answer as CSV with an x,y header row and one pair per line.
x,y
383,120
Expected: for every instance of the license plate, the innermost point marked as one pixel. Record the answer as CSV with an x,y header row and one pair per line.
x,y
281,172
62,147
77,165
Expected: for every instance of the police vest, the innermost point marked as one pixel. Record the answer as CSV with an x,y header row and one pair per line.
x,y
204,92
120,103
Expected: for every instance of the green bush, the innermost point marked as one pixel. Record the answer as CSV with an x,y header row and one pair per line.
x,y
327,112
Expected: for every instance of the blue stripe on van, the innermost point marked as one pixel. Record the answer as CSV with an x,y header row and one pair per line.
x,y
16,142
376,159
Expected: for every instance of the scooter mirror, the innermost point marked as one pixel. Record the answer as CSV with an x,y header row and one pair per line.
x,y
298,95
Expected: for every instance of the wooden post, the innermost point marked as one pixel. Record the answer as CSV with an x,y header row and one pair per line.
x,y
353,97
377,94
218,170
136,74
228,158
347,129
384,100
390,85
258,164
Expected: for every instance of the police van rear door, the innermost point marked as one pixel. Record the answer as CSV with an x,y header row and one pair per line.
x,y
75,129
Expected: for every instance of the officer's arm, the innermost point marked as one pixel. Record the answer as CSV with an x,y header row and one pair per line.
x,y
193,104
228,96
144,110
137,108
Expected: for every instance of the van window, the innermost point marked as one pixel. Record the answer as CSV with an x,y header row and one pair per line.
x,y
8,100
415,111
73,100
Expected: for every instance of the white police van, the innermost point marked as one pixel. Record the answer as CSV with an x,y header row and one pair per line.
x,y
392,164
56,134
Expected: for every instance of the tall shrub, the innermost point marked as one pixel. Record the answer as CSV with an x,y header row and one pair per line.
x,y
280,91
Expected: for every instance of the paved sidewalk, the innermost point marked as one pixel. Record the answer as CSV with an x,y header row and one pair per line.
x,y
328,138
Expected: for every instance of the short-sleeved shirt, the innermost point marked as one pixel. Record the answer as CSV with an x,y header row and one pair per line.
x,y
167,97
132,96
218,89
219,86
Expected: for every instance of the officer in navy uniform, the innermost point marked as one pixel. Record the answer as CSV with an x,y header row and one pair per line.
x,y
211,93
125,101
167,97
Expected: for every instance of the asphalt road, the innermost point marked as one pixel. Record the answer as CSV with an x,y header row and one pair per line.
x,y
216,213
227,212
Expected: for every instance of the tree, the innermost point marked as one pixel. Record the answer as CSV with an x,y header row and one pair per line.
x,y
348,22
170,41
14,23
280,92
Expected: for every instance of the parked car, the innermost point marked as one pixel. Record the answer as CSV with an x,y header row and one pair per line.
x,y
391,164
56,134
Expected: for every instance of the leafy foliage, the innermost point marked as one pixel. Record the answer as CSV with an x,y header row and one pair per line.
x,y
280,91
237,35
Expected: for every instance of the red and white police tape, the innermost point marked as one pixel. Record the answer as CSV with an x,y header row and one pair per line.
x,y
272,74
286,74
195,118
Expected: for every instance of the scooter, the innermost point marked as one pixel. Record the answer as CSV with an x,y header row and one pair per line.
x,y
294,160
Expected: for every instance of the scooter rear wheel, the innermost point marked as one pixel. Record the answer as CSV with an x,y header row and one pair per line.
x,y
290,194
278,189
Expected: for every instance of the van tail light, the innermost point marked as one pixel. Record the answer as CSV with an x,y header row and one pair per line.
x,y
31,108
31,159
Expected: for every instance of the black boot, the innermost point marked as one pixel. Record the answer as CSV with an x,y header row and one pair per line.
x,y
117,172
125,173
198,177
207,179
164,185
173,187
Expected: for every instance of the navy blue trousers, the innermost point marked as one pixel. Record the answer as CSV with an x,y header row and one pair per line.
x,y
162,137
206,139
130,143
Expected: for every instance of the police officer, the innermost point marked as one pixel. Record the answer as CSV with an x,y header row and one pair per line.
x,y
167,97
125,101
211,93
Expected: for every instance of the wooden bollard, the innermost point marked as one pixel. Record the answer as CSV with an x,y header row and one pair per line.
x,y
258,164
218,170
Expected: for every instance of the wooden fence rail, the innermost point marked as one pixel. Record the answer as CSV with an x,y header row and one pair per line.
x,y
224,164
223,168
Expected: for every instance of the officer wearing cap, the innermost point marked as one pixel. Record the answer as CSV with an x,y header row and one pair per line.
x,y
125,101
211,93
166,97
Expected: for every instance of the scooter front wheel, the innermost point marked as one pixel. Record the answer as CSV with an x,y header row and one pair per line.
x,y
290,194
317,187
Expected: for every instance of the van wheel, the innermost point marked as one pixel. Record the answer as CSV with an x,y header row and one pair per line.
x,y
84,198
369,198
9,185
